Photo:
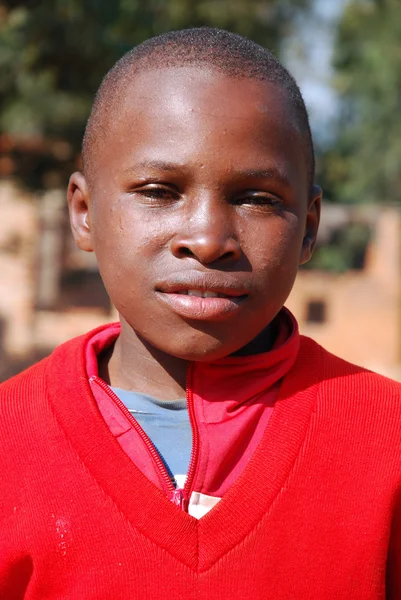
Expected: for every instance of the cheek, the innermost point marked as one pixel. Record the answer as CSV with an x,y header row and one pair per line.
x,y
275,250
121,230
127,247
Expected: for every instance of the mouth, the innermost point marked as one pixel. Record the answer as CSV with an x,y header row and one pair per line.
x,y
208,294
202,303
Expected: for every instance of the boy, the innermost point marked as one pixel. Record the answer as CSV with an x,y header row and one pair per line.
x,y
278,477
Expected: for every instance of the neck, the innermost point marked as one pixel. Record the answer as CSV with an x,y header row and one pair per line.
x,y
132,364
263,342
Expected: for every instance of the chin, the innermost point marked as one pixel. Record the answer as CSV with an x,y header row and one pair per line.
x,y
195,342
205,349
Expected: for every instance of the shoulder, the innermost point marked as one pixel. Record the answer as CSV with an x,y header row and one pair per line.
x,y
31,379
335,371
24,384
26,391
348,390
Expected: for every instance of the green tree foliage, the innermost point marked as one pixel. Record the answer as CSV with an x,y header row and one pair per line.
x,y
53,54
344,250
365,163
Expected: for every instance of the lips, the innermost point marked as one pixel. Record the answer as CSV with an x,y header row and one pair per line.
x,y
202,298
203,294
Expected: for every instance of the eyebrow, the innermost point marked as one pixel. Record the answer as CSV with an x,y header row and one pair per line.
x,y
160,165
270,173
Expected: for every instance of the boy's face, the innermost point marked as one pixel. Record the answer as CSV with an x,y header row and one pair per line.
x,y
199,184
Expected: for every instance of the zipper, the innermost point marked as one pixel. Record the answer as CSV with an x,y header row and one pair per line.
x,y
168,485
195,434
180,496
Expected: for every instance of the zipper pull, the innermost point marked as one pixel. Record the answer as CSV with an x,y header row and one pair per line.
x,y
179,499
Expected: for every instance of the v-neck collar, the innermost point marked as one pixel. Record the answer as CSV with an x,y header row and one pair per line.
x,y
197,544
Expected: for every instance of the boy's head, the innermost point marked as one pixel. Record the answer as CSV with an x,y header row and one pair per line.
x,y
198,181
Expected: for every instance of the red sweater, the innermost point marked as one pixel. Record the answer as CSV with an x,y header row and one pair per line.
x,y
315,514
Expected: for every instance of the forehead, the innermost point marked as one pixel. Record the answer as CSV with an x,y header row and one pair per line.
x,y
203,91
183,111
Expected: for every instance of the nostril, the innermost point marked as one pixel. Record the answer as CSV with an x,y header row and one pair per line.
x,y
206,248
226,255
184,251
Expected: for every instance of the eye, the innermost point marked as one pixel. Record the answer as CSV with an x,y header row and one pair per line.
x,y
157,192
258,198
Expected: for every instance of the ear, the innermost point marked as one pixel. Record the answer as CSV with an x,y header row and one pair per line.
x,y
312,224
78,205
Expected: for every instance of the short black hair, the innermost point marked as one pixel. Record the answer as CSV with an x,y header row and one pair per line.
x,y
230,53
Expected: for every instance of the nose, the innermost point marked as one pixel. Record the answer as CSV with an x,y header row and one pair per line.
x,y
208,236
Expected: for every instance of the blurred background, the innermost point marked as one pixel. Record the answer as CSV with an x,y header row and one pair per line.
x,y
346,56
